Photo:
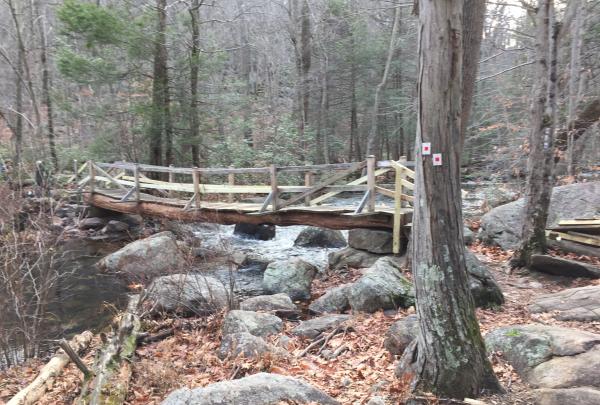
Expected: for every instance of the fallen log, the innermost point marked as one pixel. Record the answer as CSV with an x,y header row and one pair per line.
x,y
34,391
112,369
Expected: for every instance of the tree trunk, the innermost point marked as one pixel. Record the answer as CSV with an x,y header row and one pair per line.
x,y
194,11
449,357
574,68
354,151
19,109
473,18
46,84
371,140
540,162
159,87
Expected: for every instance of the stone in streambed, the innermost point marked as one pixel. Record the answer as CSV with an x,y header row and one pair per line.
x,y
252,231
334,300
373,241
292,277
313,236
313,327
353,258
255,323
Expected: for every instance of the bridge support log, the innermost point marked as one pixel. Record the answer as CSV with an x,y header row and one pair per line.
x,y
291,216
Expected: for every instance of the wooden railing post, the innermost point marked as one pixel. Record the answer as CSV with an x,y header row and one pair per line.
x,y
75,170
196,177
92,170
136,179
309,180
231,181
371,183
171,180
397,210
274,189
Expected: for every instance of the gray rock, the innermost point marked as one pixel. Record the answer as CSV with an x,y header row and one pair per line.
x,y
313,236
279,304
573,304
528,346
152,256
469,236
334,300
484,288
502,226
353,258
251,231
313,327
255,323
115,226
91,223
568,371
382,287
261,388
563,267
400,334
188,293
376,400
246,344
374,241
292,277
567,396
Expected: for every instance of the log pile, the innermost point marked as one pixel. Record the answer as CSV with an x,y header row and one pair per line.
x,y
581,236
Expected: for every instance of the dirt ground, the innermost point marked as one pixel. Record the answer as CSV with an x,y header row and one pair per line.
x,y
365,369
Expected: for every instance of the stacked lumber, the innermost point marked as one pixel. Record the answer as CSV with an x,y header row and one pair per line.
x,y
582,234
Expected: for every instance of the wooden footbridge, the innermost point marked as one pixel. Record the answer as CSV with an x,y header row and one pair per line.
x,y
222,195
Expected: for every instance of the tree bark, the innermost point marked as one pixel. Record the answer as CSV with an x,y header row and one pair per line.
x,y
540,162
194,11
449,357
46,84
159,87
574,68
372,139
473,19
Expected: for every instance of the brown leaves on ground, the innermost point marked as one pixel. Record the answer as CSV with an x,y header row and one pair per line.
x,y
189,357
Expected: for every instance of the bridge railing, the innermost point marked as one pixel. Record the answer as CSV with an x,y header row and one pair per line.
x,y
321,183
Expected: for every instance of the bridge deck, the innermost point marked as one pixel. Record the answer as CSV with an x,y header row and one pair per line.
x,y
330,216
124,187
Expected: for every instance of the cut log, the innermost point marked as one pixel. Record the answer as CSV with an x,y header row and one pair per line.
x,y
112,368
563,267
574,247
34,391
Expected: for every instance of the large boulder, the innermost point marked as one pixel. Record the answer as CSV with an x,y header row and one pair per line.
x,y
261,388
313,236
567,396
400,334
502,226
314,327
526,347
353,258
292,277
573,304
279,304
484,288
382,287
91,223
188,293
334,300
255,323
251,231
153,256
578,370
247,345
563,267
371,240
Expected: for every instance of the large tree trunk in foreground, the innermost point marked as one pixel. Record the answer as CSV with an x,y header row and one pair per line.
x,y
34,391
449,357
540,162
112,368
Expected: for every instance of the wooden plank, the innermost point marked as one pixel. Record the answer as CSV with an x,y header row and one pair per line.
x,y
92,176
371,183
231,181
196,180
362,203
323,184
136,184
356,182
309,181
587,239
397,211
266,203
110,178
183,170
77,173
274,189
386,192
315,168
578,222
